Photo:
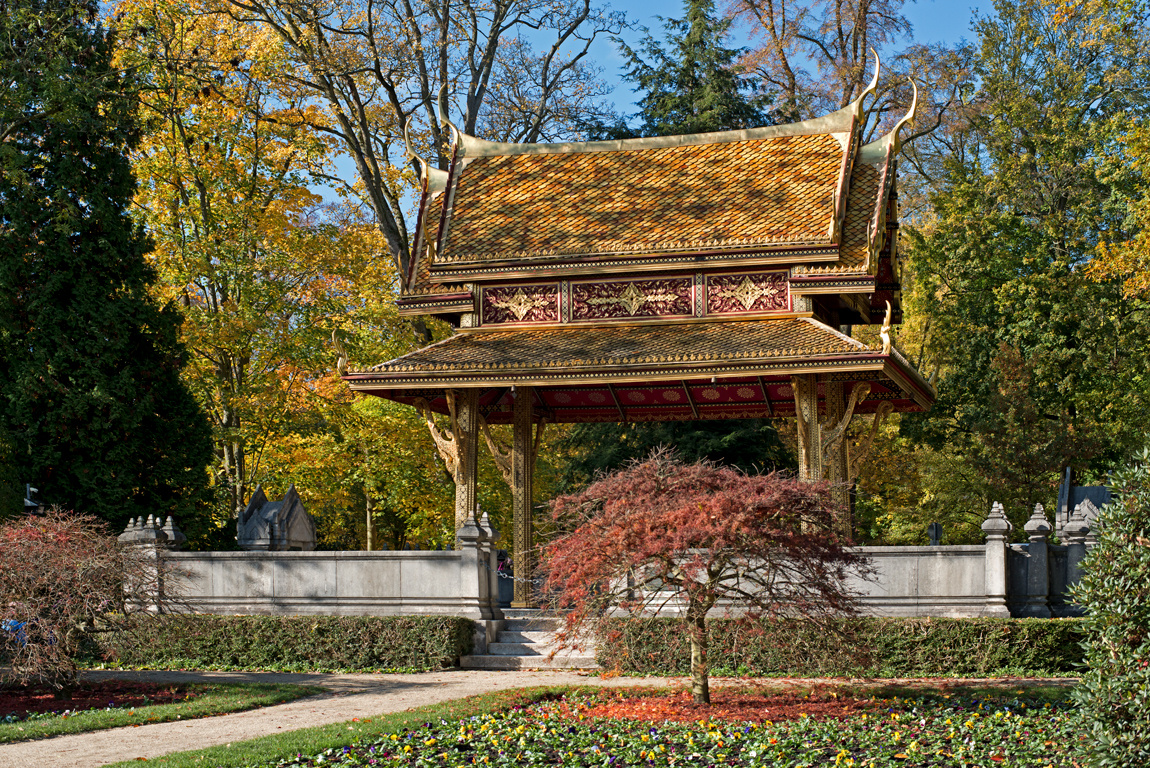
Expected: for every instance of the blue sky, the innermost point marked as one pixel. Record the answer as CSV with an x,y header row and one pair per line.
x,y
934,21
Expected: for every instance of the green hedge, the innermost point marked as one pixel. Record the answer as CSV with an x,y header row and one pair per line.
x,y
916,647
291,643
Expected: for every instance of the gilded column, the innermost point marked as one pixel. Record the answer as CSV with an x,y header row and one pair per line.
x,y
806,393
836,469
467,439
522,472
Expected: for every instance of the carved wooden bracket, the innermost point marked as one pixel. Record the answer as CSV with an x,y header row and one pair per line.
x,y
862,450
500,452
445,440
834,434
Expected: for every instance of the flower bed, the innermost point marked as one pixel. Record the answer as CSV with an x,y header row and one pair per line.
x,y
856,732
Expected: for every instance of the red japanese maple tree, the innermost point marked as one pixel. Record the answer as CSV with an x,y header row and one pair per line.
x,y
663,535
61,576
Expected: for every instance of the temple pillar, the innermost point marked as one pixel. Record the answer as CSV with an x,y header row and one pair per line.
x,y
467,441
806,393
522,475
835,469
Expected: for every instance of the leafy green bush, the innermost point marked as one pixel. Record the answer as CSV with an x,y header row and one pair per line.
x,y
292,643
1114,695
916,647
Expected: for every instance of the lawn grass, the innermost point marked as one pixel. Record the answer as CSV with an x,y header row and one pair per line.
x,y
956,723
210,699
270,750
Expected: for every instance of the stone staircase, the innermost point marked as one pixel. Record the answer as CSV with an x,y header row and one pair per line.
x,y
525,641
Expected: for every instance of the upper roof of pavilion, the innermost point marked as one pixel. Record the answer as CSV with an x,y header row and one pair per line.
x,y
807,196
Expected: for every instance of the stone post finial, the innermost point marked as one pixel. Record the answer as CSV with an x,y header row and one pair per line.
x,y
996,525
1078,527
176,537
1037,527
485,524
470,534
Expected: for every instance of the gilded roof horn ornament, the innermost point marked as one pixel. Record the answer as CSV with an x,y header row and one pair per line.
x,y
341,353
907,118
871,88
884,332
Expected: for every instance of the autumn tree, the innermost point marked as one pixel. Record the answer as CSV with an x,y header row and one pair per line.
x,y
243,242
663,534
374,66
1037,365
92,402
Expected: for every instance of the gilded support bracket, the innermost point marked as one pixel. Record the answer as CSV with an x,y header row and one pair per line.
x,y
499,451
445,443
862,450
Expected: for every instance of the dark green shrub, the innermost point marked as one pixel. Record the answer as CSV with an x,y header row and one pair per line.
x,y
292,643
916,647
1114,695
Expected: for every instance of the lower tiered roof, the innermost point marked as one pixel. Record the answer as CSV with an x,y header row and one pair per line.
x,y
691,370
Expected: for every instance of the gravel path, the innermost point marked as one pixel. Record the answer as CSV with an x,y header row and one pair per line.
x,y
348,696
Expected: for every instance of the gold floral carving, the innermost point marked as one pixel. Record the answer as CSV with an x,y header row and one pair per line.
x,y
748,292
520,304
632,299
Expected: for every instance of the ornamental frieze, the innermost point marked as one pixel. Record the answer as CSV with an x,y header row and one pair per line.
x,y
521,304
670,297
756,292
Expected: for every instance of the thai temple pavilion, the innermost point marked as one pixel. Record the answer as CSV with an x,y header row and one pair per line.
x,y
708,276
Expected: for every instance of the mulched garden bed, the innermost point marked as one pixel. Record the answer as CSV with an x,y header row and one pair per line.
x,y
732,706
89,695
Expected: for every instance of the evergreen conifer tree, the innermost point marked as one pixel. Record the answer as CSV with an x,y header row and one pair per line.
x,y
91,402
691,83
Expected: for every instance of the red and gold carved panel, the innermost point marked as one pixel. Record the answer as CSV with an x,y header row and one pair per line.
x,y
521,304
668,297
741,294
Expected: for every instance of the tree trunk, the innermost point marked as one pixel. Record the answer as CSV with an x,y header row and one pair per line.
x,y
700,680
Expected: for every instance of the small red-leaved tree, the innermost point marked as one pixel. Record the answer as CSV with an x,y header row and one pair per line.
x,y
663,534
61,575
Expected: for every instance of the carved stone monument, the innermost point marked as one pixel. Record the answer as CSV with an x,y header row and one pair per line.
x,y
277,526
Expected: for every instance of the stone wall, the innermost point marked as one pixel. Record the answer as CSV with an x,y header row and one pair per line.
x,y
994,579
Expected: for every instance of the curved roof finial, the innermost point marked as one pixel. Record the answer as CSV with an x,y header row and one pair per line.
x,y
411,154
871,88
907,117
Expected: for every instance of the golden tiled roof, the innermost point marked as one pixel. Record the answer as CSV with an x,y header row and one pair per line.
x,y
860,212
614,347
735,194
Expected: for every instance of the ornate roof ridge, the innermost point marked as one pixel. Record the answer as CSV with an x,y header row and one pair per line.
x,y
838,121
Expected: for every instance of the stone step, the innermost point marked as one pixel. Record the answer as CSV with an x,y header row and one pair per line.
x,y
515,649
491,661
538,624
516,636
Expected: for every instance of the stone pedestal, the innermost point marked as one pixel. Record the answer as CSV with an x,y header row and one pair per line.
x,y
997,529
1038,566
